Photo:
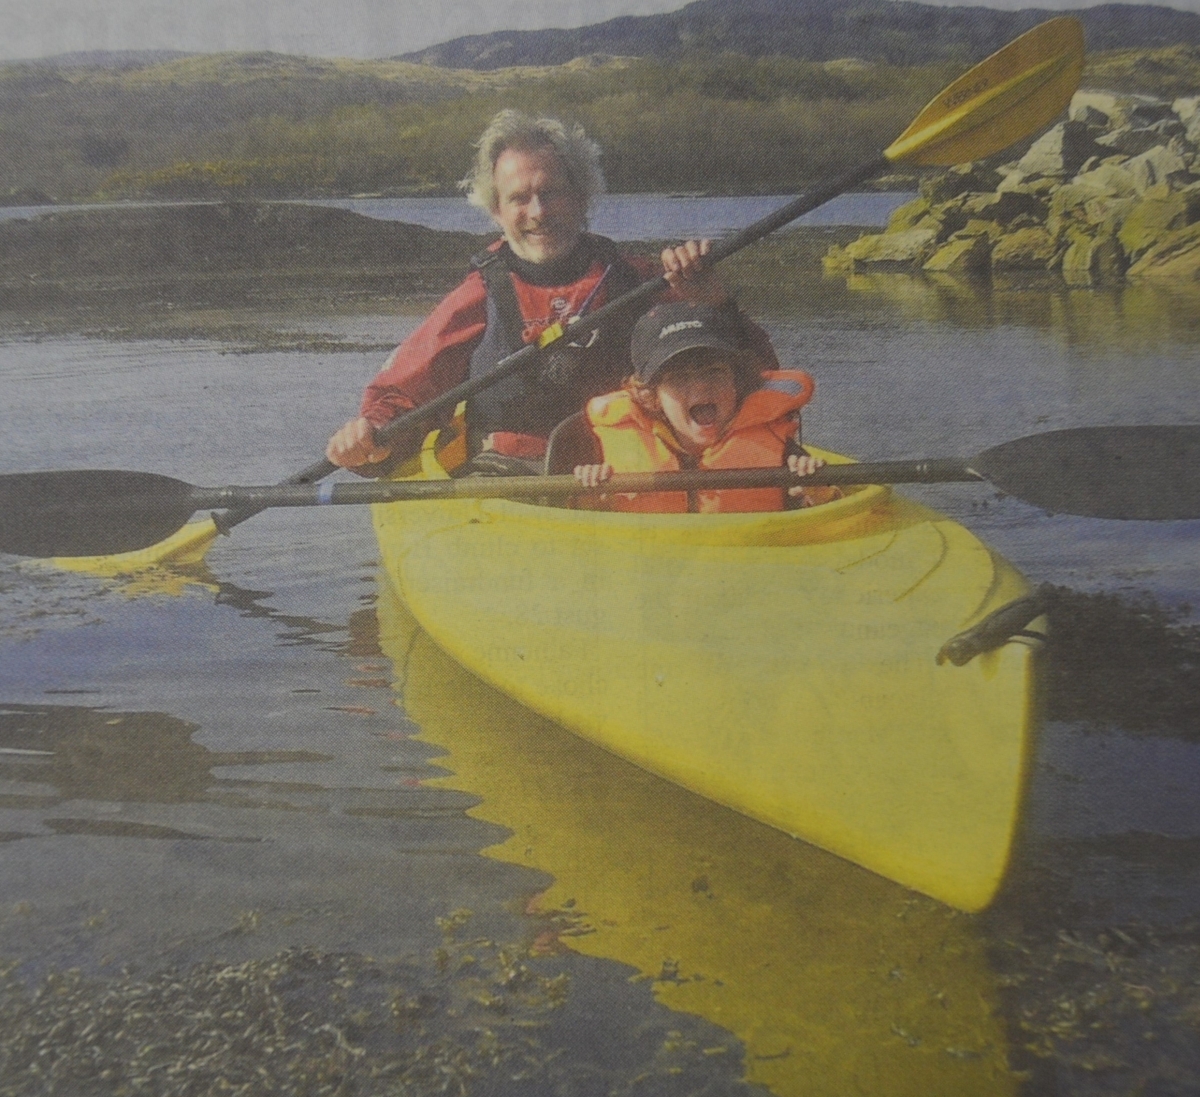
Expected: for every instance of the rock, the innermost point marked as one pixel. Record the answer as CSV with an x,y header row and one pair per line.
x,y
1186,108
1108,214
1130,192
1133,142
1026,249
964,255
1154,167
1087,104
949,217
1004,206
1176,257
1112,177
908,215
1146,113
1161,211
993,230
1068,203
1091,261
1168,128
909,248
836,261
1192,130
1060,151
1088,115
1039,185
961,179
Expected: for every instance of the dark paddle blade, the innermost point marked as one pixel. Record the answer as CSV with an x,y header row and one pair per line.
x,y
89,513
1140,473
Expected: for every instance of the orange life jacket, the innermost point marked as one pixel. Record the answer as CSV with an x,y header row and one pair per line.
x,y
634,441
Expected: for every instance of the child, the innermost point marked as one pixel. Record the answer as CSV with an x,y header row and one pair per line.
x,y
696,400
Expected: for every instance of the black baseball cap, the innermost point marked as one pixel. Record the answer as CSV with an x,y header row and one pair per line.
x,y
670,329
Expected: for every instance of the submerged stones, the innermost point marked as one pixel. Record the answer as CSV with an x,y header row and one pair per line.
x,y
1111,193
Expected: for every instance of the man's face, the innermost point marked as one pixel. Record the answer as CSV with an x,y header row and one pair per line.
x,y
538,210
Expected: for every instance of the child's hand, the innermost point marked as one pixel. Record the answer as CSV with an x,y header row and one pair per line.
x,y
591,476
802,464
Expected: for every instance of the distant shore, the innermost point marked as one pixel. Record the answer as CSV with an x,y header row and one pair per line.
x,y
214,270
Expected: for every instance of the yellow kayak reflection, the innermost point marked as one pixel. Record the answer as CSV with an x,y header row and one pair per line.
x,y
835,980
171,566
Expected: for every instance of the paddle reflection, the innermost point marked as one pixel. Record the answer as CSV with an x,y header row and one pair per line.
x,y
835,980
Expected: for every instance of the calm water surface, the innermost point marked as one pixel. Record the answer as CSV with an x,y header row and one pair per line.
x,y
267,754
619,216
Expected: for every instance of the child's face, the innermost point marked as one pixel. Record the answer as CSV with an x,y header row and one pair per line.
x,y
699,399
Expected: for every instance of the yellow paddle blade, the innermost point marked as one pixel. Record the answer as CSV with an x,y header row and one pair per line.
x,y
1004,98
187,546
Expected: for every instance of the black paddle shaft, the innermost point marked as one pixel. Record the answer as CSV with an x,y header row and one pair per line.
x,y
526,357
1148,473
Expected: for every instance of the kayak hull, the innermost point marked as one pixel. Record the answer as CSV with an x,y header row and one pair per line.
x,y
780,664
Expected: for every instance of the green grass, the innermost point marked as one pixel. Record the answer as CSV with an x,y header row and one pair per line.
x,y
269,125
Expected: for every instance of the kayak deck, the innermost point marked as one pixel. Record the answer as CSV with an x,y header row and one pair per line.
x,y
781,664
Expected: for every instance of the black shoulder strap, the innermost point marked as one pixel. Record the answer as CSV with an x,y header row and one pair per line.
x,y
623,276
496,278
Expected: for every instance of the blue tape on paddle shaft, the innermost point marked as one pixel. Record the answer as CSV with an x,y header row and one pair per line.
x,y
324,494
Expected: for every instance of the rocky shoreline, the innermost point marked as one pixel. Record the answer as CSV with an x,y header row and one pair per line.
x,y
1110,195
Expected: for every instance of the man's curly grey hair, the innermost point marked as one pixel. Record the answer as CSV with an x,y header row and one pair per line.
x,y
580,155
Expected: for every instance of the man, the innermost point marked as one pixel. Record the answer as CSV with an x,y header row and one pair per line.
x,y
536,179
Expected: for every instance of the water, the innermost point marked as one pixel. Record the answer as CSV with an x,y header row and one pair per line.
x,y
266,754
619,216
641,216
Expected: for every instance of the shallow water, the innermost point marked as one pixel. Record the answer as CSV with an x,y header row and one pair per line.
x,y
265,754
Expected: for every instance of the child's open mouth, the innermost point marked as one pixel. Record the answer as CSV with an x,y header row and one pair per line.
x,y
704,415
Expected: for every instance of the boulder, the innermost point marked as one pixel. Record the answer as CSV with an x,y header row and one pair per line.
x,y
1091,261
961,179
908,215
992,230
1107,212
968,255
1147,112
1161,211
886,250
1086,105
1004,206
1121,108
1060,151
1112,177
1039,185
1133,142
1131,192
1068,203
1192,130
1027,249
1088,115
1186,108
949,217
1176,257
1154,167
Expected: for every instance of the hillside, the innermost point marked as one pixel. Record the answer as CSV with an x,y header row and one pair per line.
x,y
264,125
887,31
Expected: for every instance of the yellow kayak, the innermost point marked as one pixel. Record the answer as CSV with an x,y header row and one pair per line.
x,y
782,664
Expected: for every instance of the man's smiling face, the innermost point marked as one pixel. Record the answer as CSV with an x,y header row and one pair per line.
x,y
537,207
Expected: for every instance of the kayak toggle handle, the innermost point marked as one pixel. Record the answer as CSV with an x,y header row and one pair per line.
x,y
997,628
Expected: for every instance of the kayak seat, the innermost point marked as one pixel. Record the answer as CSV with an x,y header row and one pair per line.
x,y
572,443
